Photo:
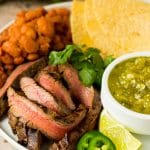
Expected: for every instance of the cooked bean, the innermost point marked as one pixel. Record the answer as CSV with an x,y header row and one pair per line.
x,y
28,31
9,67
32,14
14,33
52,12
32,57
18,60
62,11
4,36
44,27
29,45
6,59
56,19
1,51
3,76
11,48
32,35
19,21
24,54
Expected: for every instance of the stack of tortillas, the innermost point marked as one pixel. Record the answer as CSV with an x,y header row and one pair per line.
x,y
115,27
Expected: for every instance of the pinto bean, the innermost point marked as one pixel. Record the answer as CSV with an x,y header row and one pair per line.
x,y
9,67
29,45
18,60
32,35
62,11
32,14
52,12
11,48
28,31
32,57
44,27
6,59
1,51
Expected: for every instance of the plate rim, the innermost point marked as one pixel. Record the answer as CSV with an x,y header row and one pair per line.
x,y
3,134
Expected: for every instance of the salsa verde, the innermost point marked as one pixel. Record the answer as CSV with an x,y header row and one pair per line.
x,y
129,83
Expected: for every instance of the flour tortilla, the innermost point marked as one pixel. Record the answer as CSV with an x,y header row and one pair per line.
x,y
124,26
79,33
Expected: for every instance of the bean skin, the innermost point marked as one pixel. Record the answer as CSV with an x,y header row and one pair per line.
x,y
32,57
6,59
18,60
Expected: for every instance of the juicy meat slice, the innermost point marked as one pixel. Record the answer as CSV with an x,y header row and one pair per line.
x,y
12,120
18,127
34,139
21,130
3,105
26,136
30,71
69,142
38,94
81,92
56,88
37,119
26,69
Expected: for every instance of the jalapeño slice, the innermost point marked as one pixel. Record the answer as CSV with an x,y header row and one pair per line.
x,y
94,140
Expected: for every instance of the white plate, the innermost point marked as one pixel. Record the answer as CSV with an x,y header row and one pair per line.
x,y
5,130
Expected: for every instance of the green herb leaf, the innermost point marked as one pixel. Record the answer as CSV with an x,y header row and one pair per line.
x,y
98,79
89,64
62,57
87,76
108,60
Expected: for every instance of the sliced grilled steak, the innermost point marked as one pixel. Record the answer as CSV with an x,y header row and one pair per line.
x,y
18,128
37,119
84,94
21,130
69,142
56,88
34,139
38,94
3,105
26,136
28,69
12,121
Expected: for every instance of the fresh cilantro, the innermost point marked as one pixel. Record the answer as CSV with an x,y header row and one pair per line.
x,y
108,60
56,58
87,76
90,64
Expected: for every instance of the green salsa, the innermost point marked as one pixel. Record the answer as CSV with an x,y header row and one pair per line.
x,y
129,83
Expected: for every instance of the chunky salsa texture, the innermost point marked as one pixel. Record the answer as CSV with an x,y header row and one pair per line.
x,y
129,83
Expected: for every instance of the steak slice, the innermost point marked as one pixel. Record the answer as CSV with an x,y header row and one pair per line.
x,y
26,136
12,120
70,140
34,139
21,131
56,88
18,128
78,90
28,69
35,118
38,94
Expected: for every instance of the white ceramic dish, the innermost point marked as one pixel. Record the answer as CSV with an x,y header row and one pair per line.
x,y
133,121
5,130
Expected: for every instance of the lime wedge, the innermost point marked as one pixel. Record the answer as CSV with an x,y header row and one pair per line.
x,y
120,136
